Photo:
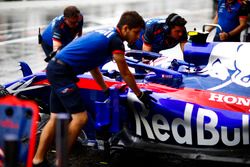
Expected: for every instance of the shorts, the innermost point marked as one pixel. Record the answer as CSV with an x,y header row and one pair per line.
x,y
65,96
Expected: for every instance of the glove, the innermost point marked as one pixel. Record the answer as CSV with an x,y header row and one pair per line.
x,y
146,98
174,65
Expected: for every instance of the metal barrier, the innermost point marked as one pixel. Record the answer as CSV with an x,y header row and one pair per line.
x,y
61,139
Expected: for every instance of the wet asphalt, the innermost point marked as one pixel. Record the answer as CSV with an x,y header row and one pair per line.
x,y
90,157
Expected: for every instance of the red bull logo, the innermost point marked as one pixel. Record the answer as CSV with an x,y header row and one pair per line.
x,y
229,62
207,121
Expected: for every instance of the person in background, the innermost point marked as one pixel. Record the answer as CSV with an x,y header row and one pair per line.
x,y
215,3
246,36
231,15
61,31
84,54
161,34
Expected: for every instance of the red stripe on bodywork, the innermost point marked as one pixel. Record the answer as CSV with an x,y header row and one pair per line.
x,y
190,95
200,97
86,83
42,82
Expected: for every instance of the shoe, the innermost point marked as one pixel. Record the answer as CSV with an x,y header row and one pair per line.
x,y
44,163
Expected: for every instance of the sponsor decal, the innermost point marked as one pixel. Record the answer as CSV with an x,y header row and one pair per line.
x,y
67,90
205,129
229,99
231,65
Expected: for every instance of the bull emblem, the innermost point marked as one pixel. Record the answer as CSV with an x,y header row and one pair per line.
x,y
229,57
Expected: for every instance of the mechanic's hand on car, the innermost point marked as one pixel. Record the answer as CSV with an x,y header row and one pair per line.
x,y
146,98
224,36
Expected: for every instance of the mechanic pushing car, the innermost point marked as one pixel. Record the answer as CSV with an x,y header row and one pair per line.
x,y
161,34
85,54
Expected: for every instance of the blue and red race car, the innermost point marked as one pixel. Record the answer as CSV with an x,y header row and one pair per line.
x,y
200,107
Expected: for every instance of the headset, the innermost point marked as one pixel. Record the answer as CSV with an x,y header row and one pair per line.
x,y
170,21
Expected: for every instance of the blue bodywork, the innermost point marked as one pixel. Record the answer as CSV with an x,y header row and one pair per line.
x,y
193,115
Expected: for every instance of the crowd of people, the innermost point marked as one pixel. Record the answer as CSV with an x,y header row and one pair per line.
x,y
69,53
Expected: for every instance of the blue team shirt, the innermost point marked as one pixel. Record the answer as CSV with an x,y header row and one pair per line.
x,y
92,50
156,34
228,17
60,31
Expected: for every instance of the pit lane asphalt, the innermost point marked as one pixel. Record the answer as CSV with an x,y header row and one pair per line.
x,y
89,157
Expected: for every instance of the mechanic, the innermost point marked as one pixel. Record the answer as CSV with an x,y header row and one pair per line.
x,y
61,31
161,34
85,54
232,16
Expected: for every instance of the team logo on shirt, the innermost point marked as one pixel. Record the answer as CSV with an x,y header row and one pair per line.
x,y
67,90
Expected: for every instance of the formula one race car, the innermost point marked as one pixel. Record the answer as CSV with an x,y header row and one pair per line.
x,y
200,107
